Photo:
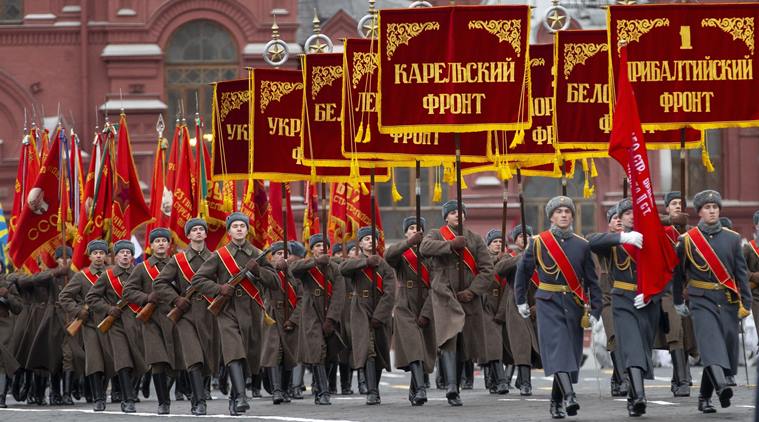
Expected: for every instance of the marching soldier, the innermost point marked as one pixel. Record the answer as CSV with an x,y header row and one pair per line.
x,y
280,340
240,319
635,319
618,378
521,332
10,304
346,355
713,270
461,271
159,333
98,360
680,338
413,325
373,282
566,275
751,253
196,327
323,291
497,351
124,336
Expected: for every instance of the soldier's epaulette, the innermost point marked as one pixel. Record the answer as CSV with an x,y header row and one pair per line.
x,y
580,237
731,231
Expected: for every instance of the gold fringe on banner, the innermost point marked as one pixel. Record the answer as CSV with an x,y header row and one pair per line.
x,y
394,190
705,157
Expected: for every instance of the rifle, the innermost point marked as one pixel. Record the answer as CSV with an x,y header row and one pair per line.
x,y
146,312
76,325
175,314
219,301
108,321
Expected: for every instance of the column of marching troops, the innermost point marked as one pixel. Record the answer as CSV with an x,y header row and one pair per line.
x,y
280,313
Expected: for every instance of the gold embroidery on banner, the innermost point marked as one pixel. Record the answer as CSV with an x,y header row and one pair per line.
x,y
274,91
506,30
363,64
232,101
631,30
740,28
324,76
575,54
402,33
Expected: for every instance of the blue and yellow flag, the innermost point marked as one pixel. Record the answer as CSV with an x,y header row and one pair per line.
x,y
3,239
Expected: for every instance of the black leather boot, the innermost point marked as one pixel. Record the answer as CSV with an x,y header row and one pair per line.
x,y
68,383
296,390
237,376
440,374
55,390
223,380
145,384
426,380
87,390
557,401
705,394
127,392
636,400
468,375
275,379
717,378
287,375
417,378
450,369
499,377
487,375
680,386
40,384
97,386
509,373
115,390
161,383
372,383
197,385
525,389
3,388
346,379
570,399
332,376
362,387
322,381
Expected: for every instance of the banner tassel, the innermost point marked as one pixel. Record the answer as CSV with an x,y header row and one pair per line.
x,y
518,139
359,134
437,192
705,158
367,135
394,190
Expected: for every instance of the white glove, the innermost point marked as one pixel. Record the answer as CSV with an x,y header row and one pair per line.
x,y
593,320
682,310
632,238
524,310
639,302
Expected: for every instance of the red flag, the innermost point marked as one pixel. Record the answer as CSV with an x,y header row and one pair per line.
x,y
337,222
255,205
157,187
26,175
39,221
76,173
276,231
171,167
311,213
129,207
358,209
657,259
185,203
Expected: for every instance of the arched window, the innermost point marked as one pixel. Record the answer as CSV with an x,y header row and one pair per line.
x,y
11,11
198,53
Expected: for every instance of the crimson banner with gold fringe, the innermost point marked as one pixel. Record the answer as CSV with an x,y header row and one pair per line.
x,y
453,69
690,65
361,138
581,98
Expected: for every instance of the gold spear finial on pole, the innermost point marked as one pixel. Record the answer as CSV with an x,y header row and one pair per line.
x,y
318,42
275,52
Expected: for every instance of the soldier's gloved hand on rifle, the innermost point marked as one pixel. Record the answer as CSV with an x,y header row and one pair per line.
x,y
376,323
226,290
83,314
322,260
524,310
281,265
679,219
288,325
252,267
115,312
182,303
632,238
458,243
373,261
4,292
153,297
533,312
640,303
682,310
415,239
423,322
465,296
328,327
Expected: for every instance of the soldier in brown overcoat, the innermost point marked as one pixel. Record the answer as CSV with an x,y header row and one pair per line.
x,y
10,305
461,273
198,334
125,336
241,318
373,282
413,326
346,355
321,310
98,360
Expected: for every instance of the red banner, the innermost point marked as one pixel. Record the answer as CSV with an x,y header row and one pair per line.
x,y
361,137
276,227
255,205
129,208
157,187
454,69
185,203
657,259
690,65
27,171
581,96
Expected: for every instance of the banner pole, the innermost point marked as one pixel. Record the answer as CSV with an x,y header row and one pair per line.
x,y
504,213
459,202
521,207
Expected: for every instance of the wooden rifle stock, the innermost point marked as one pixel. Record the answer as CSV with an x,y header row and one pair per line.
x,y
108,321
76,325
175,314
219,301
146,312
